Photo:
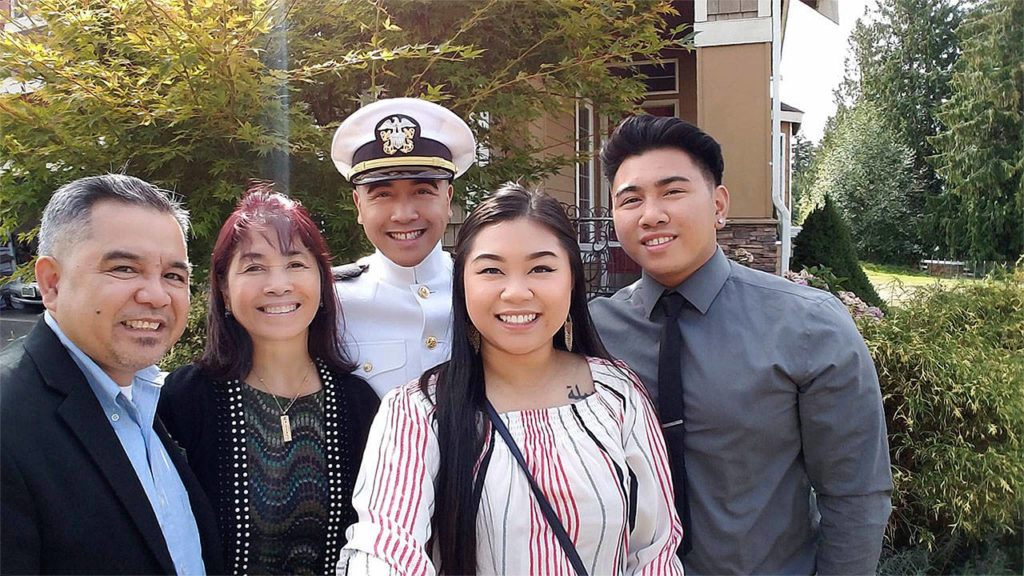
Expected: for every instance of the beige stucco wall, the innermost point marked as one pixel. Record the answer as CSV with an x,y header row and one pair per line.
x,y
734,106
556,135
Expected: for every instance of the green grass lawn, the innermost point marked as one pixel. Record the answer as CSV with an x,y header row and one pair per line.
x,y
896,284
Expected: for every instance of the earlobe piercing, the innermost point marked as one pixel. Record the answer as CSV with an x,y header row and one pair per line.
x,y
721,220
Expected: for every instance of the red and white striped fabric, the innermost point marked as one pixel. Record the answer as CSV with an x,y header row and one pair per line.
x,y
600,461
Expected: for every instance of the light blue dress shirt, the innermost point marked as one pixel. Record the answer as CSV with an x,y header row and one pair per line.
x,y
132,421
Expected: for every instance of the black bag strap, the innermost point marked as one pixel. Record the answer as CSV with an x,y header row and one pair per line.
x,y
545,506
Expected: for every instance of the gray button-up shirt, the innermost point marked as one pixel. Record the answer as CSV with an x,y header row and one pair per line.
x,y
780,395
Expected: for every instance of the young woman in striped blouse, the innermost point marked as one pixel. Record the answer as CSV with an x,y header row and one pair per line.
x,y
440,489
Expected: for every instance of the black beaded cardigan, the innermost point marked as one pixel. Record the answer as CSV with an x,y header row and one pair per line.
x,y
205,418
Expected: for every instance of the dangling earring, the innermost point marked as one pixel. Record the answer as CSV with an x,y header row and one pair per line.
x,y
568,333
227,312
474,337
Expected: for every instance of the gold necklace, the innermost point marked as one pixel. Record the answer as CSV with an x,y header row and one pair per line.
x,y
286,423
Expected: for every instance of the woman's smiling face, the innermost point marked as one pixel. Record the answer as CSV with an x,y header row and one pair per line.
x,y
273,293
518,285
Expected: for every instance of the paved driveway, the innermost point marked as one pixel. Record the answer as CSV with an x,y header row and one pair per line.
x,y
16,323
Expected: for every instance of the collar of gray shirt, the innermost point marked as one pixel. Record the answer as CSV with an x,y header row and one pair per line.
x,y
700,288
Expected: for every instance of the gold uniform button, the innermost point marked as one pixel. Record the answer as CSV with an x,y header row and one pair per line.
x,y
431,342
367,367
424,292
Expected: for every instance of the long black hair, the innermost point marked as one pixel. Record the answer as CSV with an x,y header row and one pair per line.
x,y
460,393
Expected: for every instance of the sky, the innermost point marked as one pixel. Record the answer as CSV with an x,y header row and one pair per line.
x,y
812,61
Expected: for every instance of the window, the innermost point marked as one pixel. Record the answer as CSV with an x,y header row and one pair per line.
x,y
658,77
659,108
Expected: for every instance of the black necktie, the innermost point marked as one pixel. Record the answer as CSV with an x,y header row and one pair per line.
x,y
670,405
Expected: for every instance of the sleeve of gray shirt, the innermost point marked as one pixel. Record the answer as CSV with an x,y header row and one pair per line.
x,y
844,441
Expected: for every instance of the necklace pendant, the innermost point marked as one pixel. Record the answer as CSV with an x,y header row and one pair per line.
x,y
286,428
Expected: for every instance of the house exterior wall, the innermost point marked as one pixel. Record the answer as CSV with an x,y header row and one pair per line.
x,y
723,87
734,106
556,135
754,244
688,86
451,231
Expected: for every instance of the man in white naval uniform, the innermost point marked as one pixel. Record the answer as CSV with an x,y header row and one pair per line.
x,y
401,156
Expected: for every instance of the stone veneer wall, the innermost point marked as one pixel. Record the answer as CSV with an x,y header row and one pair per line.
x,y
752,244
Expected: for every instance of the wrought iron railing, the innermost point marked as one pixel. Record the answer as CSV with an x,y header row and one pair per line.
x,y
605,266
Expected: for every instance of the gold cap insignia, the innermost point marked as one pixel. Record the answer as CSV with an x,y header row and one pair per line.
x,y
396,134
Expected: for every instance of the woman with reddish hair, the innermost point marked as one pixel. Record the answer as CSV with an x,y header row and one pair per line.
x,y
272,421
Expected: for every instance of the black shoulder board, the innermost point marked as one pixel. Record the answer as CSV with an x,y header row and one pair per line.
x,y
348,271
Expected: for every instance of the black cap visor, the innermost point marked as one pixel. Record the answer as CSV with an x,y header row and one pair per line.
x,y
402,173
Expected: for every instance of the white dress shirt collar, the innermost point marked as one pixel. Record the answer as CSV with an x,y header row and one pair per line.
x,y
435,268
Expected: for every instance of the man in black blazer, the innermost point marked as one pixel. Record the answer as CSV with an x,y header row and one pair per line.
x,y
90,481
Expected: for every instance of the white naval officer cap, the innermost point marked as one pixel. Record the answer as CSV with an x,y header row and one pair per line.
x,y
402,138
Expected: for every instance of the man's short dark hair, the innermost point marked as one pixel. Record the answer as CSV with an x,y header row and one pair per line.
x,y
643,133
66,217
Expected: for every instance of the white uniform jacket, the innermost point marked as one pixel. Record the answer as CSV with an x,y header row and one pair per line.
x,y
397,320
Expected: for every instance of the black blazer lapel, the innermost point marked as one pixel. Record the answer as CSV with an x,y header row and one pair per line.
x,y
84,416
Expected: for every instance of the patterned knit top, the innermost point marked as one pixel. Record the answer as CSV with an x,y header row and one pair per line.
x,y
289,498
238,459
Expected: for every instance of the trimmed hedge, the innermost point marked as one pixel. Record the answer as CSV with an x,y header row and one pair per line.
x,y
825,241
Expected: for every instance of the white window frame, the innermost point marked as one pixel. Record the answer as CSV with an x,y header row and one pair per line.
x,y
581,146
673,61
605,186
584,143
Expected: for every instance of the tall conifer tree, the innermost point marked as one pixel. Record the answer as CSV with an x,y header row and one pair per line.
x,y
981,147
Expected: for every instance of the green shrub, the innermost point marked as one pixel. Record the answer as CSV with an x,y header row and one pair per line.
x,y
825,241
951,367
996,555
190,346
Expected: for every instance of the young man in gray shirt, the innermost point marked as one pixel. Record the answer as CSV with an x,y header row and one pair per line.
x,y
765,388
